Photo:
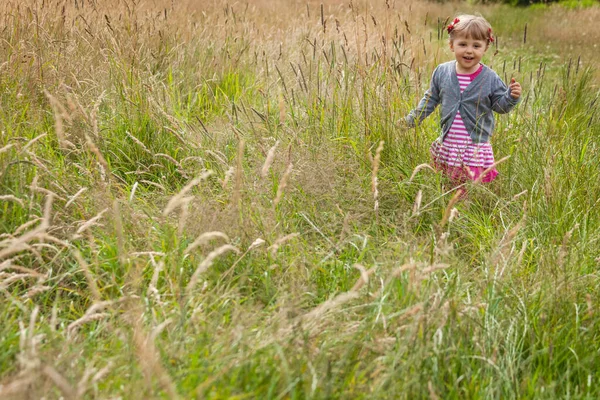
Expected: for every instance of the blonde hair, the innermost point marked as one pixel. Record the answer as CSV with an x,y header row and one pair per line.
x,y
471,26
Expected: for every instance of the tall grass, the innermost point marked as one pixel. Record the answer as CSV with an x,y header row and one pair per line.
x,y
216,201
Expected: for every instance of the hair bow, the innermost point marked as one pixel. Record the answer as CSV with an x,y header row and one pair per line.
x,y
451,26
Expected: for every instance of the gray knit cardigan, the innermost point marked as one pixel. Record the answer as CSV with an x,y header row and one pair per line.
x,y
485,94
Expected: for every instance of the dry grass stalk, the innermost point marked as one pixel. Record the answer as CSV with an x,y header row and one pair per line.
x,y
489,169
36,188
375,168
85,383
411,312
34,291
14,278
282,113
7,147
239,175
138,142
20,243
324,307
406,267
269,160
119,231
418,168
522,252
93,314
442,247
60,113
73,326
101,373
338,300
417,204
433,268
54,313
177,135
65,387
219,157
158,185
185,210
564,246
82,385
152,286
26,225
257,243
199,160
46,239
91,222
33,141
207,262
363,272
503,249
18,386
396,273
453,214
205,238
75,106
147,253
43,245
432,394
448,211
228,175
56,185
75,196
149,357
88,276
516,196
101,160
159,328
9,265
35,159
171,159
275,246
132,193
178,198
94,114
28,342
282,184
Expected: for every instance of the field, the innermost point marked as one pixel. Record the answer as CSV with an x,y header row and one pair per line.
x,y
214,200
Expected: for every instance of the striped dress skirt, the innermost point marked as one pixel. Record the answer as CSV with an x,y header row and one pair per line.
x,y
457,156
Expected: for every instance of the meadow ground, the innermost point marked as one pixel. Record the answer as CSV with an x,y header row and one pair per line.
x,y
214,201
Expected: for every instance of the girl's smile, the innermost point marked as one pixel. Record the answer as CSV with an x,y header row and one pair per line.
x,y
468,53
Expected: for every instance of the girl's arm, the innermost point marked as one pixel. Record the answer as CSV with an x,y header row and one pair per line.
x,y
502,100
428,103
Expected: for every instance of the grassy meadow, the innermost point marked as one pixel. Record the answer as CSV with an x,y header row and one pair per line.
x,y
213,200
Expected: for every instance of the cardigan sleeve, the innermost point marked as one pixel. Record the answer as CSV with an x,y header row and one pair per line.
x,y
428,103
502,101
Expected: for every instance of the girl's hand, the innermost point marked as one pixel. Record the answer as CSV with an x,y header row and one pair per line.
x,y
515,89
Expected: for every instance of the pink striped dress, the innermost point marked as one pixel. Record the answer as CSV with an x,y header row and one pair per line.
x,y
457,155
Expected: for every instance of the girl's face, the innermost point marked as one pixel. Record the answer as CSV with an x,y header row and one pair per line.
x,y
468,53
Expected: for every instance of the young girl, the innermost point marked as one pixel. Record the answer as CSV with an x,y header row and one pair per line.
x,y
468,91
